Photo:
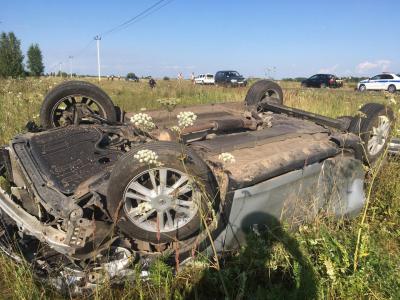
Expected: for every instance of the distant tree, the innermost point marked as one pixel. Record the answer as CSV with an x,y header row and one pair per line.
x,y
11,57
62,74
166,78
35,60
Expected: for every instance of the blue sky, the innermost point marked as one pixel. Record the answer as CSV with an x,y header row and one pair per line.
x,y
298,38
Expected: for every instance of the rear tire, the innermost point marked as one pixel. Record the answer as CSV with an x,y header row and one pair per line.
x,y
392,89
264,90
374,128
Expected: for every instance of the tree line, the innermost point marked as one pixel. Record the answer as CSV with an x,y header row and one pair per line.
x,y
12,59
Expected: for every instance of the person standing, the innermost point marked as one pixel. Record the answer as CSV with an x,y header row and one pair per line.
x,y
192,77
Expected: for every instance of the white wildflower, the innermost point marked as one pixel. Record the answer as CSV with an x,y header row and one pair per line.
x,y
143,121
148,157
175,128
169,103
330,269
393,101
144,207
186,119
143,109
227,158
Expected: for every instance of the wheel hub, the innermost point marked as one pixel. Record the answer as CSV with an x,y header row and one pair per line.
x,y
161,200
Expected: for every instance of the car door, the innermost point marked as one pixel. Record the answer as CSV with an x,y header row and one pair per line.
x,y
373,83
385,81
313,81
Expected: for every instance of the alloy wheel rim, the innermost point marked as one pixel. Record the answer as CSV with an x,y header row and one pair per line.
x,y
161,200
379,135
64,110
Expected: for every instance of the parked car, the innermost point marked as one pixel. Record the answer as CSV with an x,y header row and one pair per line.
x,y
94,191
322,81
386,81
204,79
132,77
230,78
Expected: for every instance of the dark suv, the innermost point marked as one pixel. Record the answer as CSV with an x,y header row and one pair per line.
x,y
230,78
322,81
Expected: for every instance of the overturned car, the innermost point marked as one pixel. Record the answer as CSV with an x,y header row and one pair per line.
x,y
94,191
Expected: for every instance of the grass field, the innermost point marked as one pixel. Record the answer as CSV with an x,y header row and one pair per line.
x,y
315,261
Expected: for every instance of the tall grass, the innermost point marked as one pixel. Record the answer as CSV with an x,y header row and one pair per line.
x,y
313,261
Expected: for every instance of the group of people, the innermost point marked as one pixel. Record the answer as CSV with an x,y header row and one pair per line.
x,y
192,77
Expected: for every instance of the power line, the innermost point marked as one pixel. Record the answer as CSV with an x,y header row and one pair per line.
x,y
80,52
120,26
147,14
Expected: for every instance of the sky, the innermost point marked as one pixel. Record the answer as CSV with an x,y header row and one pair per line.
x,y
257,38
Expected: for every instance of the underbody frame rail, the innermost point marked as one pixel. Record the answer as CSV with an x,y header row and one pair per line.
x,y
30,225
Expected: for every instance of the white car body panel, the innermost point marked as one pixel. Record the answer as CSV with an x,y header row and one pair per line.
x,y
204,79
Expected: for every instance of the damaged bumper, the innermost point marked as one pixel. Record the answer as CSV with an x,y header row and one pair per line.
x,y
29,225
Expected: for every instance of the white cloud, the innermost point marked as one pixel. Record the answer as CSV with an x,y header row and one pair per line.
x,y
331,69
379,65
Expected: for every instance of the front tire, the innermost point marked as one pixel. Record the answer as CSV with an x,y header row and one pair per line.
x,y
362,88
165,203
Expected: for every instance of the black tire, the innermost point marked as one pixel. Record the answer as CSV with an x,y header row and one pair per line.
x,y
392,88
75,88
170,155
362,88
263,89
363,125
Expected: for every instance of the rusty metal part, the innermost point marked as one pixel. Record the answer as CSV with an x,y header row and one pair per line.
x,y
298,113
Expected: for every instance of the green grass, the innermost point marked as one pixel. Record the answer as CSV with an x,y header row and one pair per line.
x,y
314,261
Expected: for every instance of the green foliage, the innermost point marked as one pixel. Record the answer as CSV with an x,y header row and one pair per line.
x,y
35,60
11,57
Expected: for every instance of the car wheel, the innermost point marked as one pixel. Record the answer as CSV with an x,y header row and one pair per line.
x,y
392,88
161,203
373,125
362,88
303,85
59,105
264,90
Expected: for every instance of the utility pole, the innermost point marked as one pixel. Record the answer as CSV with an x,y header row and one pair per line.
x,y
70,65
97,39
59,68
